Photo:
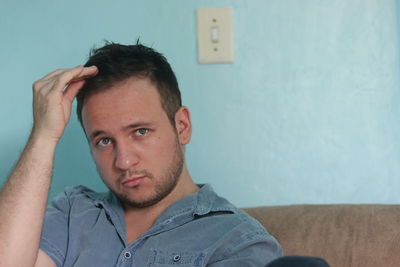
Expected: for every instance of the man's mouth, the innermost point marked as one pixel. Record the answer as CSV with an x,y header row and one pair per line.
x,y
133,182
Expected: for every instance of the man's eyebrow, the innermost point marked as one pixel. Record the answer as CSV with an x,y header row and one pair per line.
x,y
127,127
137,125
96,133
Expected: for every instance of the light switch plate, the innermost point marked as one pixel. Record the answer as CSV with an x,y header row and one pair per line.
x,y
215,35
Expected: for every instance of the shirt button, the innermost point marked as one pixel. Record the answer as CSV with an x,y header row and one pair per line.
x,y
177,257
127,255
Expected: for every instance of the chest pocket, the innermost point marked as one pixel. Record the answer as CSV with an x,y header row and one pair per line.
x,y
162,258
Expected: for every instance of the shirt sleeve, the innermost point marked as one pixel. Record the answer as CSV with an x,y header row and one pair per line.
x,y
253,254
247,249
54,238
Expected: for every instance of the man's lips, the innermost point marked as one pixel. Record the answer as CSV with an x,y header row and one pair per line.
x,y
132,182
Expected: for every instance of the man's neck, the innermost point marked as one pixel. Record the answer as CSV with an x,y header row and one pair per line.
x,y
139,220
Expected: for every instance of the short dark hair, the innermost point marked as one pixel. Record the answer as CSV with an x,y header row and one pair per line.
x,y
117,62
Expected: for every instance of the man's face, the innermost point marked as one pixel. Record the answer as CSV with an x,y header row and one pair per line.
x,y
137,151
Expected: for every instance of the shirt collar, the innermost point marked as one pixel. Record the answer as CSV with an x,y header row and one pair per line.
x,y
205,198
202,202
112,206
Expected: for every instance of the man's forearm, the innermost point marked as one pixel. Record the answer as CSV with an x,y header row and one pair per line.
x,y
22,203
24,196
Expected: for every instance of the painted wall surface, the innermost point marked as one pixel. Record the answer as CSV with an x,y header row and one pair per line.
x,y
308,112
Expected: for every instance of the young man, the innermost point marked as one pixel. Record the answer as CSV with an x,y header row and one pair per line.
x,y
130,108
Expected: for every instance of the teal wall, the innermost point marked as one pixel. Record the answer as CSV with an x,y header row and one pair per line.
x,y
308,112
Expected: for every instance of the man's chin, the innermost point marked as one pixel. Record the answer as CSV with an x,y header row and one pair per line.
x,y
129,202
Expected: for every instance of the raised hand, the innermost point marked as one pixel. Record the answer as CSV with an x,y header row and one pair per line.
x,y
52,100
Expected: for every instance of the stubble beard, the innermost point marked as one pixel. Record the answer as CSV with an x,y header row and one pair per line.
x,y
163,188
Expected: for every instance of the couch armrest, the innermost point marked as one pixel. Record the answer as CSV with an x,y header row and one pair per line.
x,y
344,235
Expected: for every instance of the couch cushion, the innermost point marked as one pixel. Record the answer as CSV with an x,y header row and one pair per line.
x,y
344,235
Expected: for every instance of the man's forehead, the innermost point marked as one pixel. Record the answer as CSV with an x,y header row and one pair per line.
x,y
131,100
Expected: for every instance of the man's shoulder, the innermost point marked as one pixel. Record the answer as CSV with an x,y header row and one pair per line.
x,y
81,190
222,211
79,196
230,230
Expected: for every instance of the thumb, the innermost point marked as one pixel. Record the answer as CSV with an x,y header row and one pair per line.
x,y
72,90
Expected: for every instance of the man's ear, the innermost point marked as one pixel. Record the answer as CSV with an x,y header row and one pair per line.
x,y
183,125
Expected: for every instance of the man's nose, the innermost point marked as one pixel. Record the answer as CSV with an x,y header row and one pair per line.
x,y
126,156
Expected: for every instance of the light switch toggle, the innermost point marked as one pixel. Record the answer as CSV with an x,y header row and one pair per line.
x,y
214,34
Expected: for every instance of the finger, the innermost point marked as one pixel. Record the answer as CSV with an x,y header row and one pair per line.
x,y
58,81
73,89
46,83
65,78
57,72
87,72
52,74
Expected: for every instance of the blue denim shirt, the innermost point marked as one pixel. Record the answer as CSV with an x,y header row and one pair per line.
x,y
83,228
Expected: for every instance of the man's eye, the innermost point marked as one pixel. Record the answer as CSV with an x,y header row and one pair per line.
x,y
141,131
104,142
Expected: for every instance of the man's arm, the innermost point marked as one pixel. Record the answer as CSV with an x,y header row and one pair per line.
x,y
23,198
252,253
44,260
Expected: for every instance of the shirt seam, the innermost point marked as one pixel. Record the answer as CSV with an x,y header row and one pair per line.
x,y
54,252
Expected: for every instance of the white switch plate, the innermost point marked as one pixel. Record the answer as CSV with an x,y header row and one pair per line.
x,y
215,35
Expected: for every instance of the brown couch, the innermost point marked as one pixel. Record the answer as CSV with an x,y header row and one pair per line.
x,y
344,235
